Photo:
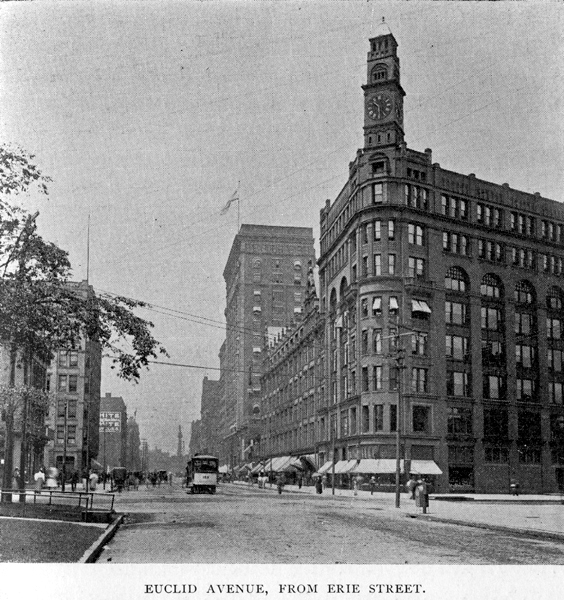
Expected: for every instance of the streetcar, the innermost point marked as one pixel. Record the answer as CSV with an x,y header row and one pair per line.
x,y
201,474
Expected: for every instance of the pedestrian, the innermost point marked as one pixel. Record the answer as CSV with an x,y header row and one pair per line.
x,y
93,480
170,476
16,479
514,487
422,495
39,478
300,481
52,475
74,480
324,481
372,485
357,482
410,486
280,482
319,485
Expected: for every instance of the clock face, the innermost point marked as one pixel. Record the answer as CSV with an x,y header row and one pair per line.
x,y
379,107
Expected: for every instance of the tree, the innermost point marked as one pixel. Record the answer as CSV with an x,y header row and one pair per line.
x,y
40,310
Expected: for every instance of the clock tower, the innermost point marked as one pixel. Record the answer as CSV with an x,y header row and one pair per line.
x,y
383,94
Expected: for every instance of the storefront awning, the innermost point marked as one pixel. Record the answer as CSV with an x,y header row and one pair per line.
x,y
344,466
258,468
377,466
326,467
425,467
309,460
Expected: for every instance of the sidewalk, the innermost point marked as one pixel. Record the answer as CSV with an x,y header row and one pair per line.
x,y
530,515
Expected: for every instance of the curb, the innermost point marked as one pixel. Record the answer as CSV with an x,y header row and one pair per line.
x,y
95,549
530,533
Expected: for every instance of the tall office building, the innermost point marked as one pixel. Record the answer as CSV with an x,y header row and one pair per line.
x,y
443,295
266,278
74,378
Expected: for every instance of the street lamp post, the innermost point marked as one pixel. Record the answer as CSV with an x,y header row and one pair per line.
x,y
400,358
64,468
105,466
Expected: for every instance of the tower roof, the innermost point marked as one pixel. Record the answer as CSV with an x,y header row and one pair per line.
x,y
381,29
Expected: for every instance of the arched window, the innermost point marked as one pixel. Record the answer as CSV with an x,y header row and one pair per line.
x,y
343,288
333,300
379,73
491,286
456,280
256,263
555,298
524,293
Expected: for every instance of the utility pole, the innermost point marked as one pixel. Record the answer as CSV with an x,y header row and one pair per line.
x,y
64,469
333,435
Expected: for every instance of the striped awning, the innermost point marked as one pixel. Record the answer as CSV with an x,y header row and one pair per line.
x,y
344,466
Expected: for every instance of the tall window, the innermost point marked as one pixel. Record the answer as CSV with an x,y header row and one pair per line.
x,y
456,280
377,230
377,193
458,383
419,380
377,341
491,286
391,264
419,343
378,264
455,313
416,267
459,420
378,417
415,234
377,375
421,419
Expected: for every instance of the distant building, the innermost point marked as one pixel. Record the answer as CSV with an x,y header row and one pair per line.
x,y
74,378
195,437
113,432
133,458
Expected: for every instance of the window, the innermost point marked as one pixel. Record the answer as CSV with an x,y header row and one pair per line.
x,y
421,419
457,347
377,230
554,360
455,313
494,387
379,167
491,318
393,305
377,341
456,280
344,423
416,267
364,233
391,264
525,389
523,323
459,420
73,358
415,234
62,384
365,379
63,358
419,380
72,409
554,299
378,417
61,408
491,286
60,434
364,341
525,356
73,383
416,196
391,229
377,374
554,328
364,266
420,309
496,454
458,383
496,423
455,208
365,419
524,293
394,378
555,392
456,243
377,193
377,306
419,344
378,264
364,307
393,417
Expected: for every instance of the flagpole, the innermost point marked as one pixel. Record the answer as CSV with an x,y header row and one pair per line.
x,y
238,206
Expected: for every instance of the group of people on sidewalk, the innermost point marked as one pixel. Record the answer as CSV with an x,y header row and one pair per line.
x,y
51,478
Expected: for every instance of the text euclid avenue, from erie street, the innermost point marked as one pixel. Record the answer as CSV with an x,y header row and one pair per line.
x,y
282,588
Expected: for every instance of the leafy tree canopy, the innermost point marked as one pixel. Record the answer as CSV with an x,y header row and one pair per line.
x,y
41,309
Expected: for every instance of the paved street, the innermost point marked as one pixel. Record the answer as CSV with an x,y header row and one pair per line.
x,y
247,525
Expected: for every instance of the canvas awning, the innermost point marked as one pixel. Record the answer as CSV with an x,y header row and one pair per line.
x,y
292,462
420,306
223,469
377,466
309,460
393,303
377,304
325,468
258,468
344,466
425,467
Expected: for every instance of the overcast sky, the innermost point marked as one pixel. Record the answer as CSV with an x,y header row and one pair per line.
x,y
147,115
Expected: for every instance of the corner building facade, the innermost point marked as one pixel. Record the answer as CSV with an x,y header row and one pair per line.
x,y
444,292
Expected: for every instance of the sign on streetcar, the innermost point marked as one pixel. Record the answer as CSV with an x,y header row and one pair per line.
x,y
110,421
